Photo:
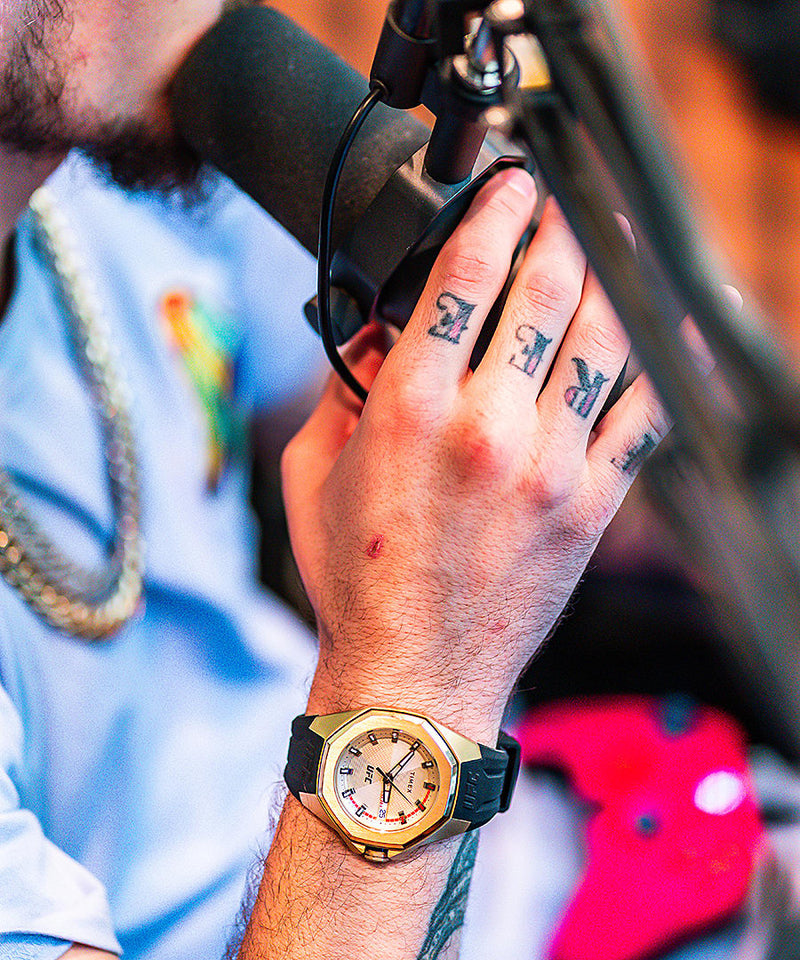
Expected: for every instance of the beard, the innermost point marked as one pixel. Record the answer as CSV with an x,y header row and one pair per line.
x,y
35,116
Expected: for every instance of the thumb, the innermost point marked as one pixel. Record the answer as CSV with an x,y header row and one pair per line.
x,y
312,453
309,457
340,409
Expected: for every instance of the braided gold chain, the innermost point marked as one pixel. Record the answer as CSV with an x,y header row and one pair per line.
x,y
88,603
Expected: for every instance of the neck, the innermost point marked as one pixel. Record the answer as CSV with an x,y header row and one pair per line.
x,y
20,175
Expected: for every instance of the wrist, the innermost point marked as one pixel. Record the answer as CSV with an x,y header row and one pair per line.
x,y
475,714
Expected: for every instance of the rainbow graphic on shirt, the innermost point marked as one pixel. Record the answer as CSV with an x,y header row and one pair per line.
x,y
208,343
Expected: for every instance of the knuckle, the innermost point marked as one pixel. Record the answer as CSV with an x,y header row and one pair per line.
x,y
594,520
596,513
604,340
586,528
471,266
411,407
506,205
654,422
550,484
484,447
656,419
547,293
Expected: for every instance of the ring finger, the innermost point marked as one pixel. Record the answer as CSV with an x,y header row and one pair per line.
x,y
592,354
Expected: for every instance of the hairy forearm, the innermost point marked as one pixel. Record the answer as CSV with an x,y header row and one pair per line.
x,y
319,901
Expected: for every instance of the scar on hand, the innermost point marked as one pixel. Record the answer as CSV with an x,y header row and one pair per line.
x,y
375,547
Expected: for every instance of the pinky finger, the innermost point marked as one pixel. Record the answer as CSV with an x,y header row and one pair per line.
x,y
627,435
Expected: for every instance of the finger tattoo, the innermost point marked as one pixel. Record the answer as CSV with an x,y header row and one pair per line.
x,y
635,455
582,396
534,343
454,314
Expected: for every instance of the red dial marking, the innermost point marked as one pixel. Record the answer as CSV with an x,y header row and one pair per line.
x,y
415,810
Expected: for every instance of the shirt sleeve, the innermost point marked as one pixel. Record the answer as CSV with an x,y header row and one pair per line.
x,y
22,947
46,898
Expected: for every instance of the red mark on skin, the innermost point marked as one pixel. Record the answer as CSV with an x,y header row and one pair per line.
x,y
499,626
375,547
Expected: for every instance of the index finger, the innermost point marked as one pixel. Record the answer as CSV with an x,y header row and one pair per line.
x,y
466,279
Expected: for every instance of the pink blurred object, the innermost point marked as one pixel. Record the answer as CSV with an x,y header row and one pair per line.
x,y
671,848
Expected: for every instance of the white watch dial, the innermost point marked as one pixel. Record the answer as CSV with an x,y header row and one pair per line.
x,y
386,779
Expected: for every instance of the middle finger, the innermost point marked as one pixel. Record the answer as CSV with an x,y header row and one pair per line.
x,y
542,302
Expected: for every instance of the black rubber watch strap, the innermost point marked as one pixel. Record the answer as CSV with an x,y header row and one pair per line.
x,y
305,749
485,786
484,789
511,746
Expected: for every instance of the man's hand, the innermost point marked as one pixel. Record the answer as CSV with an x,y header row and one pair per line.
x,y
441,532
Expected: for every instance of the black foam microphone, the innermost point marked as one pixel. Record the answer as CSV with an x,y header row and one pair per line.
x,y
266,103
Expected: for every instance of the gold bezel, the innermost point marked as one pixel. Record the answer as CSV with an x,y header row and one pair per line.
x,y
339,729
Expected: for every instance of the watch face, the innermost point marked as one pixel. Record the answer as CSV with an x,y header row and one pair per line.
x,y
386,780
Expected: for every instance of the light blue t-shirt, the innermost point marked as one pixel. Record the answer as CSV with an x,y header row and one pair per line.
x,y
139,775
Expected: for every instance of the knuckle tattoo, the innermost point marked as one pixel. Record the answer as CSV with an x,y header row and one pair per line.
x,y
582,396
635,455
533,345
453,316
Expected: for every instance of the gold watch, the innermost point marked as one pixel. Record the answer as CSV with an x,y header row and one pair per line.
x,y
388,780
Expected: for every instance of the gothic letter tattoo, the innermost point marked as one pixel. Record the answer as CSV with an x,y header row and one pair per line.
x,y
453,316
581,397
534,344
636,455
448,914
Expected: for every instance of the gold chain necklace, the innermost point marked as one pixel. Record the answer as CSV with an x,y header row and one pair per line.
x,y
87,603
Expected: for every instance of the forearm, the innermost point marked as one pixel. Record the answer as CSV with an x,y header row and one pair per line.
x,y
319,901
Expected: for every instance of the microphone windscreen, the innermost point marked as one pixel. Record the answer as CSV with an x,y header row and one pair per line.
x,y
266,103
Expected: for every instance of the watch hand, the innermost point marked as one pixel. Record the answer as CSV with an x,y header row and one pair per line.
x,y
387,779
387,786
400,764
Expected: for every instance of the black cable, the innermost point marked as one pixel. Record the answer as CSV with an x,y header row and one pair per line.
x,y
377,92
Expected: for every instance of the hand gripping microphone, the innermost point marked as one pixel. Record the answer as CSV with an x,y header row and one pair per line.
x,y
266,103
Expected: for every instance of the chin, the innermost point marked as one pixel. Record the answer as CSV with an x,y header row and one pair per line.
x,y
135,158
47,108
